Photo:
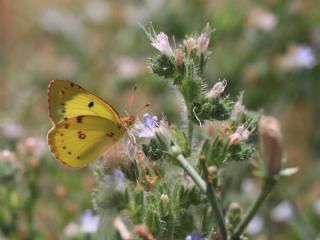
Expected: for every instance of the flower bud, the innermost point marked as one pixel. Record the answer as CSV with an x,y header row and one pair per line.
x,y
190,43
217,89
271,143
179,57
164,198
164,136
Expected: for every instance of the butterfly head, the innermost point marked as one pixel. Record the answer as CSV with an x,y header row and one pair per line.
x,y
128,121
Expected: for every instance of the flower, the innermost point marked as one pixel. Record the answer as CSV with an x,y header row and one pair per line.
x,y
190,43
179,57
71,230
262,19
255,226
147,128
70,24
217,89
132,149
97,10
238,107
316,207
12,129
204,39
7,155
241,134
299,56
195,235
89,223
248,186
160,42
271,142
283,212
117,179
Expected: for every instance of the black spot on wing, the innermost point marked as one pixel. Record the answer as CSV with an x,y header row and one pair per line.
x,y
90,104
79,119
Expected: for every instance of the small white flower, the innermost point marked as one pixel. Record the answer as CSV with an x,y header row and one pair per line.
x,y
217,89
97,10
316,207
89,223
160,42
262,19
7,155
283,212
12,129
255,226
53,20
71,230
248,186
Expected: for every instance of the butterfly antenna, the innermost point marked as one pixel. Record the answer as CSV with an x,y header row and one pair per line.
x,y
133,97
142,108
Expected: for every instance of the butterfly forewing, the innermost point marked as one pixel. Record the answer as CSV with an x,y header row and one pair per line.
x,y
80,140
67,100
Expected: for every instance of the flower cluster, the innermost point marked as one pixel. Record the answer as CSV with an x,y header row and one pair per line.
x,y
168,172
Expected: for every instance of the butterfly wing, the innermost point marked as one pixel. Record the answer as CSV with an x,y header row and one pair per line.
x,y
67,99
78,141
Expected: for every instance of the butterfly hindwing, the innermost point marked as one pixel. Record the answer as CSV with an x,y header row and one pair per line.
x,y
67,100
78,141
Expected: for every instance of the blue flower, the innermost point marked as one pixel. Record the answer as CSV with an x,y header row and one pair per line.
x,y
118,179
195,235
89,223
148,127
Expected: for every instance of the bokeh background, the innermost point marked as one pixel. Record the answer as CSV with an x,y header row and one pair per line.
x,y
269,49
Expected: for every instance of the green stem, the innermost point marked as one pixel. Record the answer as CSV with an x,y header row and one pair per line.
x,y
192,173
190,134
269,184
216,207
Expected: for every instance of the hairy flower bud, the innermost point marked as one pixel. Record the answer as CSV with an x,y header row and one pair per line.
x,y
190,43
179,57
217,89
271,143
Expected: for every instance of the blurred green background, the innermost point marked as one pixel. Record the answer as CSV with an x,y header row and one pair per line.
x,y
269,49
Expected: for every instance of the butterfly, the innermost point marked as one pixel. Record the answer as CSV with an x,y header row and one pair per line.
x,y
84,125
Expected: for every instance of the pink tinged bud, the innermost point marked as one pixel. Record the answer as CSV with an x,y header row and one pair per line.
x,y
203,42
190,43
179,57
204,39
271,143
238,108
6,155
161,43
241,134
217,89
234,138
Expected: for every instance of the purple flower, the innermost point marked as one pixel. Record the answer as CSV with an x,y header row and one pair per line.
x,y
89,223
132,149
195,235
148,127
305,56
159,41
118,179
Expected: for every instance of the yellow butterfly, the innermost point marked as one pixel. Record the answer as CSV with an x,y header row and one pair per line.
x,y
84,125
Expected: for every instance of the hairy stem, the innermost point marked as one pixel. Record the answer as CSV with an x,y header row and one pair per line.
x,y
216,207
191,172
